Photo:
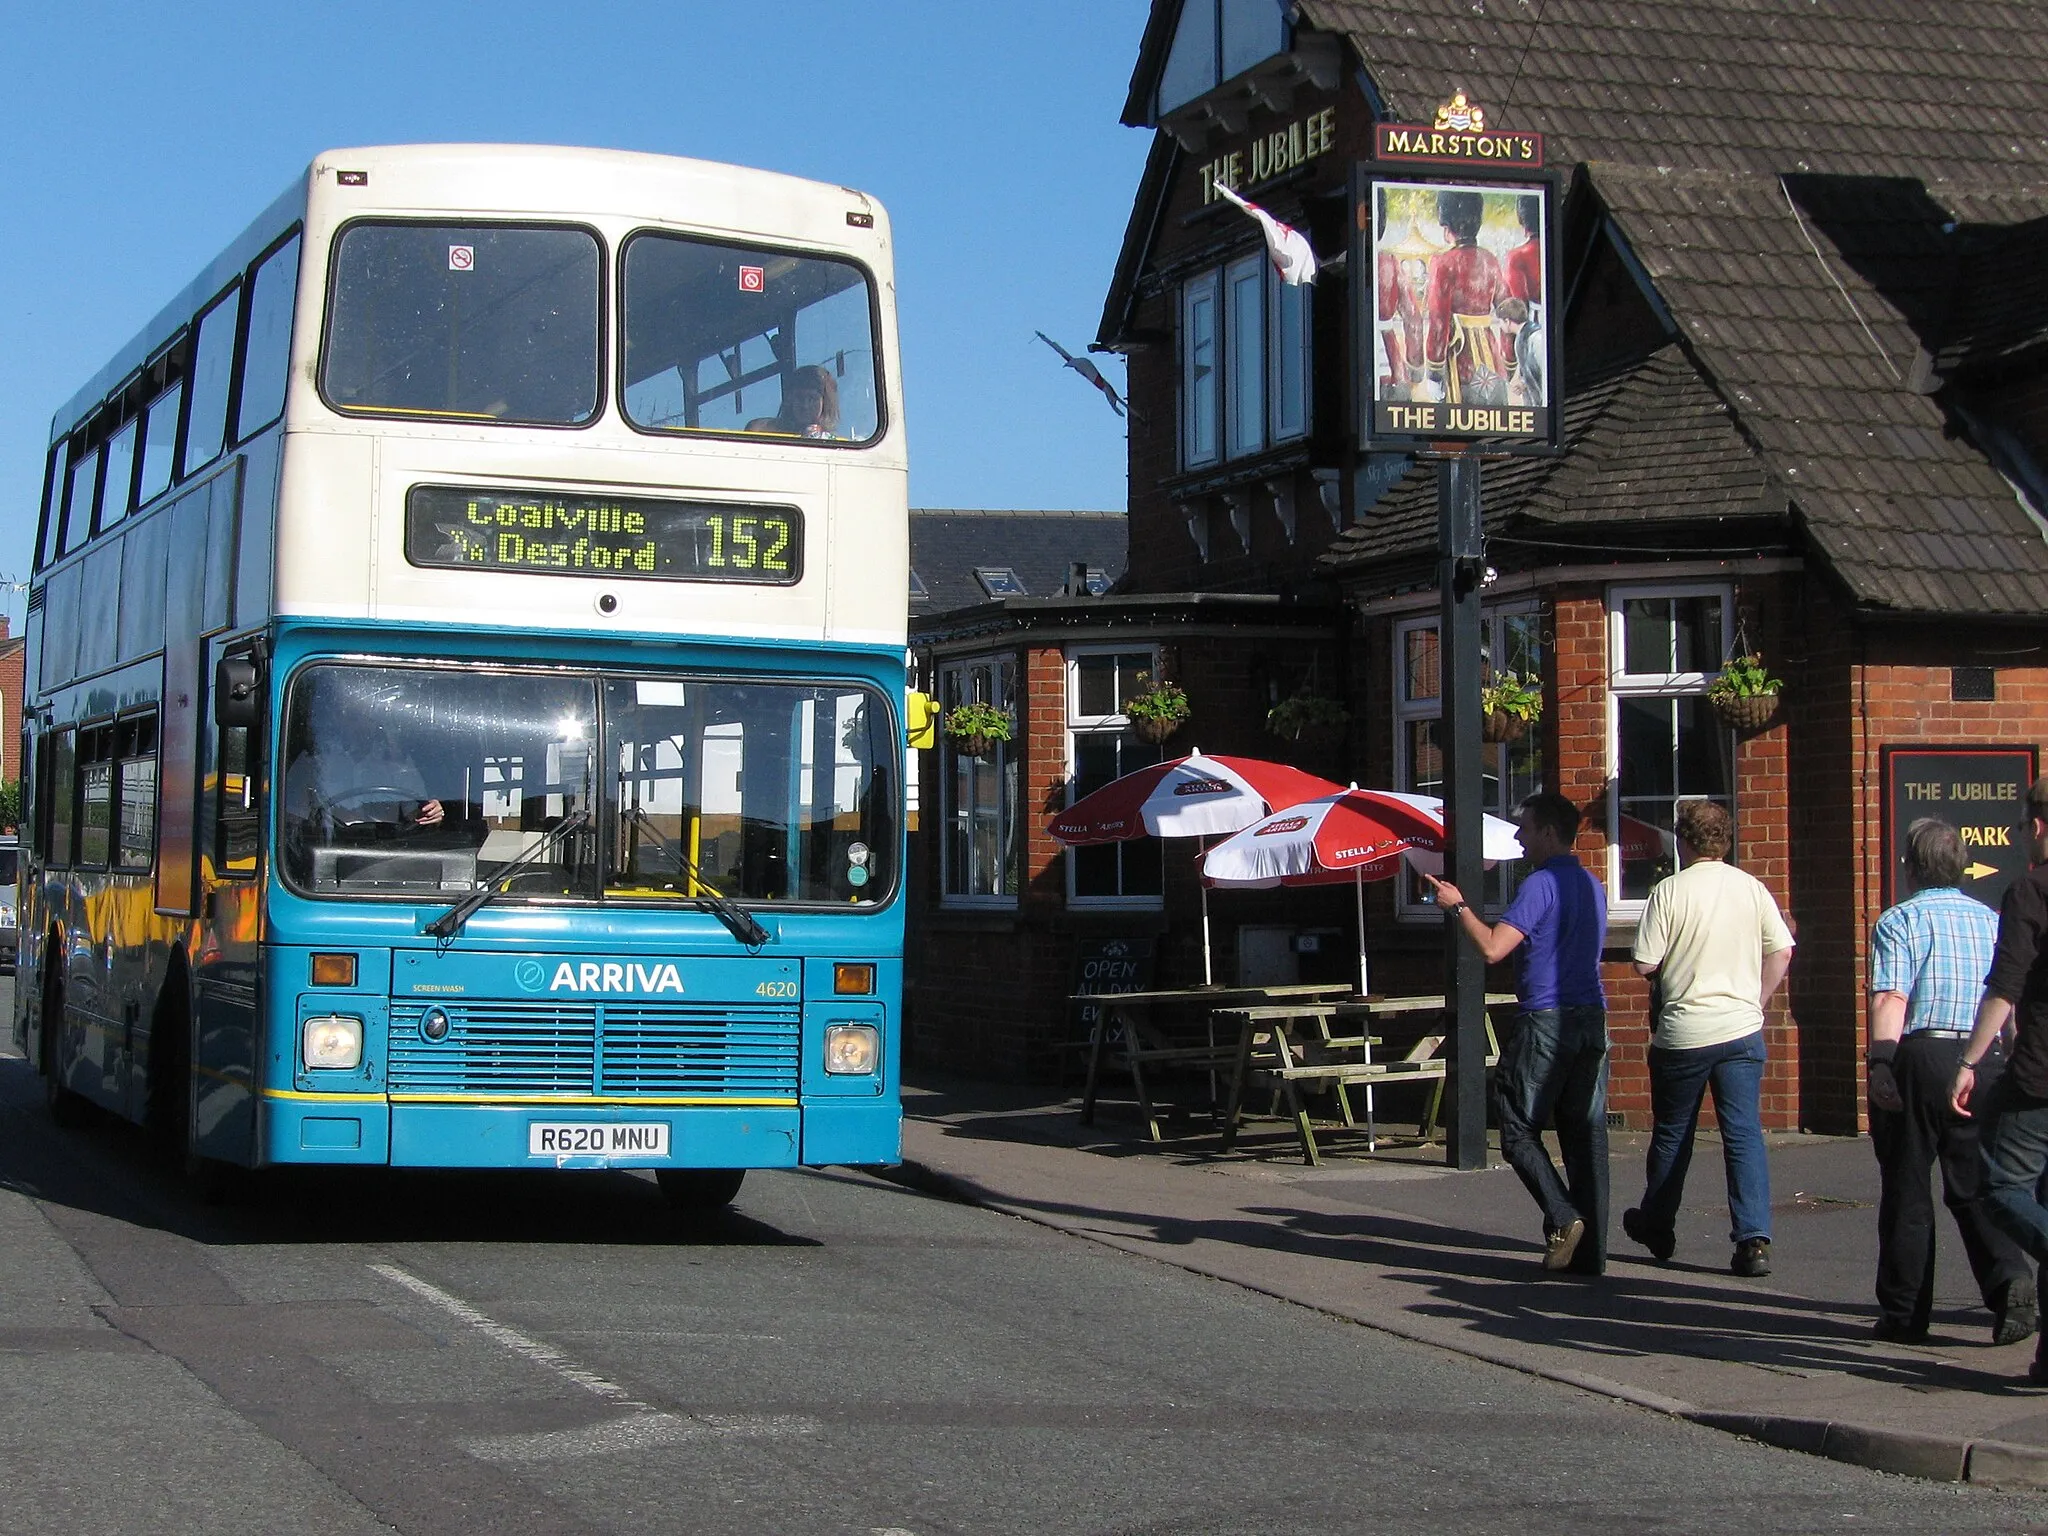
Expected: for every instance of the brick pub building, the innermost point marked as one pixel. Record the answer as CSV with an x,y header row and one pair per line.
x,y
1805,405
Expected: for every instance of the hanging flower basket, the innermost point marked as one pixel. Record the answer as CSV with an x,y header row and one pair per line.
x,y
1499,725
1307,719
1157,710
1746,712
1509,704
1745,695
974,729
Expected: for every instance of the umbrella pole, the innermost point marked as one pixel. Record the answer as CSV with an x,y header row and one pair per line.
x,y
1208,974
1371,1129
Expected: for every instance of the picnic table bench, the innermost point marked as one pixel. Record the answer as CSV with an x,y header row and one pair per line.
x,y
1269,1054
1149,1040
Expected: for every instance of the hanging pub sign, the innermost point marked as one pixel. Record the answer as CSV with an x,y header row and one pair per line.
x,y
1459,313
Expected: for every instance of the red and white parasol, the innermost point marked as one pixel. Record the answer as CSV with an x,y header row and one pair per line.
x,y
1352,836
1193,796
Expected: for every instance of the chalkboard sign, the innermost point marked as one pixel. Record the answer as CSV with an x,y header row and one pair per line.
x,y
1106,966
1980,791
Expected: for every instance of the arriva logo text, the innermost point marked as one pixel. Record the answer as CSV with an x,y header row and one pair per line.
x,y
613,976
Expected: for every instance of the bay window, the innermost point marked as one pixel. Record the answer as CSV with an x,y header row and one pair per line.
x,y
1244,362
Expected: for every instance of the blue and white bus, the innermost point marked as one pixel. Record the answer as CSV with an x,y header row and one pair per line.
x,y
465,678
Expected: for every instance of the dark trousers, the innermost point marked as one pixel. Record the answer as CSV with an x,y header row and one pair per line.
x,y
2014,1148
1555,1063
1909,1141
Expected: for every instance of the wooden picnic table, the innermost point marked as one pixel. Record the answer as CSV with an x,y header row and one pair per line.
x,y
1269,1052
1146,1041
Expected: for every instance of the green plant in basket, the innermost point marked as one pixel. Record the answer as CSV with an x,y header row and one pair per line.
x,y
1513,695
1744,677
1306,714
981,723
1157,700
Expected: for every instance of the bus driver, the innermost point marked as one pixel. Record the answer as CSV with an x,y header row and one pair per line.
x,y
332,783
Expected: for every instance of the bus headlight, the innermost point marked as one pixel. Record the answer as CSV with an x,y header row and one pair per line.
x,y
852,1050
333,1041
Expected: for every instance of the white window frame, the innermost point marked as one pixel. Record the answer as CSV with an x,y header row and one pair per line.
x,y
998,763
1407,907
1622,685
1233,439
1080,725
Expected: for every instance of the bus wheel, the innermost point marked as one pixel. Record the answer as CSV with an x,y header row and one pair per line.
x,y
67,1109
696,1191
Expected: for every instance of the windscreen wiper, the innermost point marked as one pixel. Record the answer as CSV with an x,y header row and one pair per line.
x,y
449,923
737,918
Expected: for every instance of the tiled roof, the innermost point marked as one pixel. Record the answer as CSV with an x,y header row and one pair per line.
x,y
1804,317
1957,90
1787,175
947,545
1649,436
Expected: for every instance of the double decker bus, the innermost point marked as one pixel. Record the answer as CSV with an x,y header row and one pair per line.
x,y
465,678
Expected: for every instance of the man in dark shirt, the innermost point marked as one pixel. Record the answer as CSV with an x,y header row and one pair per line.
x,y
2015,1139
1556,1059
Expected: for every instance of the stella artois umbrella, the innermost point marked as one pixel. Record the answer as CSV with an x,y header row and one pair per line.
x,y
1193,796
1352,836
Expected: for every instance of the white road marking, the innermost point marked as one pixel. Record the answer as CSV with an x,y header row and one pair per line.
x,y
639,1432
546,1356
644,1425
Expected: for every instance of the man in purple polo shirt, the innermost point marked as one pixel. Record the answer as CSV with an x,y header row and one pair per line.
x,y
1556,1060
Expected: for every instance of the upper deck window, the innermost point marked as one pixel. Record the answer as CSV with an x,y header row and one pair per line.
x,y
474,322
1216,40
726,339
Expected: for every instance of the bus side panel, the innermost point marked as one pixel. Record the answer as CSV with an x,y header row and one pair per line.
x,y
262,458
224,1045
184,705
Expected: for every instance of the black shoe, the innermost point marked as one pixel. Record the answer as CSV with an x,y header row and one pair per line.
x,y
2015,1316
1891,1331
1661,1244
2037,1373
1752,1257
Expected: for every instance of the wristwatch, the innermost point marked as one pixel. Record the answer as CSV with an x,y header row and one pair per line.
x,y
1454,909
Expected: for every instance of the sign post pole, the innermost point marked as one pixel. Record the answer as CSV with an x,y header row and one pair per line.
x,y
1460,568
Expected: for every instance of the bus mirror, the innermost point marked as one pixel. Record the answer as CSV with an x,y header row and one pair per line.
x,y
921,719
237,692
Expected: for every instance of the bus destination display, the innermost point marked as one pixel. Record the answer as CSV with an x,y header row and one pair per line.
x,y
636,537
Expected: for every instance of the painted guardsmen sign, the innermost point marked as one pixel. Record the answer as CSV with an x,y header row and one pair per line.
x,y
1980,791
1459,308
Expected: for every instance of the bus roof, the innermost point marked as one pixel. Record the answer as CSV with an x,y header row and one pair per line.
x,y
498,179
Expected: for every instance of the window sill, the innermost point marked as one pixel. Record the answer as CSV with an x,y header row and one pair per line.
x,y
1264,465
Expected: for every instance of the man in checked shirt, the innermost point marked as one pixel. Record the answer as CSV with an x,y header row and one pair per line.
x,y
1928,959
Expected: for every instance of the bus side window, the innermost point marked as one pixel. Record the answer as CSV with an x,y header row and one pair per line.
x,y
135,794
212,375
236,827
55,810
95,796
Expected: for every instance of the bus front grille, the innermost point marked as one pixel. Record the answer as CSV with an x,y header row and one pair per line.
x,y
622,1049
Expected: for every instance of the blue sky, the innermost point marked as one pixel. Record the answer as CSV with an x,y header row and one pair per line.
x,y
140,138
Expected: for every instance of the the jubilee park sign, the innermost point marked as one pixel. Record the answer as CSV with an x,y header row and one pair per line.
x,y
1454,224
1980,791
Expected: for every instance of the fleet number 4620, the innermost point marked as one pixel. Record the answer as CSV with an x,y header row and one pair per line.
x,y
776,989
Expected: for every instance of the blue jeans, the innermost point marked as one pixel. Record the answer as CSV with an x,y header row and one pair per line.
x,y
1679,1081
2015,1148
1556,1063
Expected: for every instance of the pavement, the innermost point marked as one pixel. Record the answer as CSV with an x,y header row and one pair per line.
x,y
1396,1241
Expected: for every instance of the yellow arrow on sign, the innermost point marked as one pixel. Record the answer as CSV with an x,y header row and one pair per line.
x,y
1979,871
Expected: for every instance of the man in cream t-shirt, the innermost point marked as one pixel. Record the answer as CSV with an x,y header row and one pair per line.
x,y
1718,947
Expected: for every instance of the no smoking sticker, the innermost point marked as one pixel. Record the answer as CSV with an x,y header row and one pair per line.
x,y
461,258
753,279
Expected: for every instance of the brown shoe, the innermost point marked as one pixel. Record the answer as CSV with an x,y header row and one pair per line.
x,y
1560,1245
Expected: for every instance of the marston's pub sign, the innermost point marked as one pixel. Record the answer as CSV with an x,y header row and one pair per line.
x,y
1459,136
1462,295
